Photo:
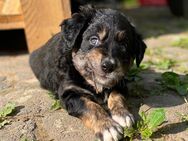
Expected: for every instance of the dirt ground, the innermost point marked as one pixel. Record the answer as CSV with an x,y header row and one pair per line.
x,y
34,120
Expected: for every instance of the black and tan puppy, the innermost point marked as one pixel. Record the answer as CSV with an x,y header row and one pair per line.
x,y
85,66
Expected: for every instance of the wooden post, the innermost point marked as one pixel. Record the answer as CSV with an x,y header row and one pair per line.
x,y
66,8
42,19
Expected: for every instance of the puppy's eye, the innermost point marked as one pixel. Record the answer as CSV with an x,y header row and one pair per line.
x,y
94,40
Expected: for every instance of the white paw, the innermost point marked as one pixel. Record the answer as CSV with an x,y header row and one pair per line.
x,y
112,132
125,121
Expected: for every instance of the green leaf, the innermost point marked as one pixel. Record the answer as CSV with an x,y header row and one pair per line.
x,y
165,64
7,109
146,134
182,42
185,79
171,79
24,138
143,115
3,123
140,124
145,65
151,122
185,117
134,71
56,105
146,125
182,89
155,118
51,95
133,74
129,132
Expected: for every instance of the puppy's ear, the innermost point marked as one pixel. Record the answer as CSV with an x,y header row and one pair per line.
x,y
72,27
139,47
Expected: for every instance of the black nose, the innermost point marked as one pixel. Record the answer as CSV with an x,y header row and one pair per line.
x,y
108,65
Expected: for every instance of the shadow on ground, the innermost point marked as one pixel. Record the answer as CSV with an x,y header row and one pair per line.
x,y
173,128
146,94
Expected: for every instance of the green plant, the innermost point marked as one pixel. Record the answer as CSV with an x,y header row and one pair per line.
x,y
56,105
130,3
172,80
51,95
182,42
24,138
162,64
165,64
133,73
4,112
147,125
184,117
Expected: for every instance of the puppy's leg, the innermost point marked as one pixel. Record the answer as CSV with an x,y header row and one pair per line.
x,y
119,110
94,117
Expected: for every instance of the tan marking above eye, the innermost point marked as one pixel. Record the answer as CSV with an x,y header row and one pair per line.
x,y
120,35
102,33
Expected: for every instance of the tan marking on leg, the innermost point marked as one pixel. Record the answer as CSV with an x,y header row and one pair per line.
x,y
94,116
97,119
119,110
116,101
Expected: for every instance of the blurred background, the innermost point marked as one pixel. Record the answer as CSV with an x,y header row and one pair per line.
x,y
26,24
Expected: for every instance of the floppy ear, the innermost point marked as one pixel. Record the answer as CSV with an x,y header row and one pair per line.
x,y
139,47
72,27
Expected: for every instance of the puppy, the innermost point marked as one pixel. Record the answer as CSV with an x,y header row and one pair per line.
x,y
85,66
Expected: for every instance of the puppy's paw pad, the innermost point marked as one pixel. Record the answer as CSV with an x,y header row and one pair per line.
x,y
125,121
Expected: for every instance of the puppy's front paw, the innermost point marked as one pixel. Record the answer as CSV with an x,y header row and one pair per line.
x,y
124,118
108,130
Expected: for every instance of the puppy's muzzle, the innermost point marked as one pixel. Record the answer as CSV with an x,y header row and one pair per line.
x,y
108,65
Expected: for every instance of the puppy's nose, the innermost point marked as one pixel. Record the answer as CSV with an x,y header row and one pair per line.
x,y
108,65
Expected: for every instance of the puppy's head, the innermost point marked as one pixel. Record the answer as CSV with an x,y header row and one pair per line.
x,y
103,45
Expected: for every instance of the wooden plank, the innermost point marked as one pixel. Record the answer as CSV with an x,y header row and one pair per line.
x,y
10,16
66,8
1,4
12,25
9,19
11,7
42,19
11,22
